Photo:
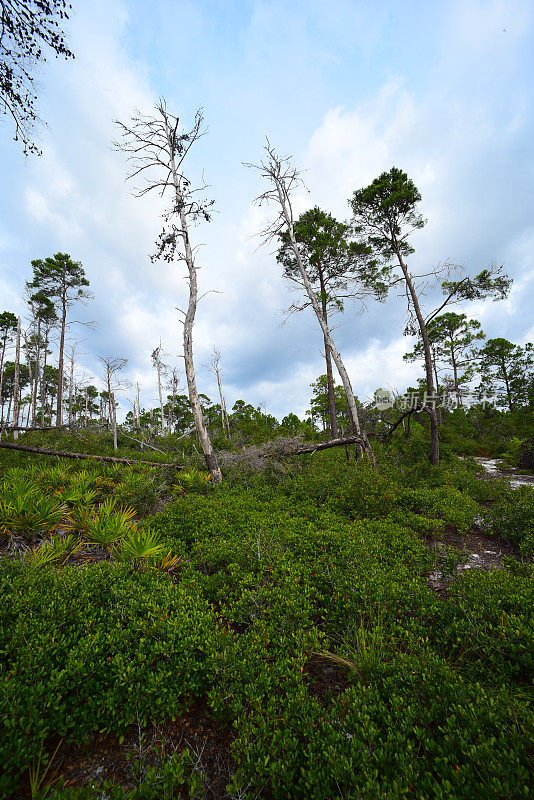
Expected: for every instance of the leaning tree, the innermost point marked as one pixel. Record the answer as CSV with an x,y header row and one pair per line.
x,y
157,147
386,213
282,180
338,268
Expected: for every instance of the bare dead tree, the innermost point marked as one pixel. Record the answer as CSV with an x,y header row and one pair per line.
x,y
283,179
112,365
157,147
173,386
161,369
215,367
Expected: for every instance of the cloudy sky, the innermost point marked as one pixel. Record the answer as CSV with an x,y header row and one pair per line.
x,y
443,90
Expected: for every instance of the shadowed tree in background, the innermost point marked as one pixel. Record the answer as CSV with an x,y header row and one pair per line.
x,y
157,148
508,369
43,317
338,269
385,215
8,384
452,337
8,328
62,281
27,28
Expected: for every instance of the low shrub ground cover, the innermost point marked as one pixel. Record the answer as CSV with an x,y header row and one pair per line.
x,y
299,611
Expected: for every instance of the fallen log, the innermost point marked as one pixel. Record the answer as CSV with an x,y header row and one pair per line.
x,y
30,428
322,446
403,416
65,454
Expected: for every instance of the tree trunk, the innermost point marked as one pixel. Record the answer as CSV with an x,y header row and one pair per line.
x,y
2,377
334,432
158,368
324,327
210,456
440,420
59,406
43,380
71,382
31,378
328,358
16,377
37,372
224,416
113,413
507,384
138,407
455,374
346,440
67,454
434,427
111,407
173,400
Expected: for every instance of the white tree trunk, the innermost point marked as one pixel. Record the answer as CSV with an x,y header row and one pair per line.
x,y
16,377
210,456
158,368
37,372
71,385
113,412
329,341
43,379
59,405
138,414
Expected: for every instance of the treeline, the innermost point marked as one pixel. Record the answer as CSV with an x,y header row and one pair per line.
x,y
361,259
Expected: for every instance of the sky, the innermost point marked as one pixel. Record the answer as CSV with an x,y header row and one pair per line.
x,y
443,90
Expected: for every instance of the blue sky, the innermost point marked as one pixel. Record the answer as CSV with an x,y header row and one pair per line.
x,y
442,90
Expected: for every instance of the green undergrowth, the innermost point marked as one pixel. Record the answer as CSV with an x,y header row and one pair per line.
x,y
300,613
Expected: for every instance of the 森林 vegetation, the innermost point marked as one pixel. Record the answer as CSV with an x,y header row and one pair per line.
x,y
203,601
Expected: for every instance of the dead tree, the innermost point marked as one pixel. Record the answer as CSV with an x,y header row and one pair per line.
x,y
157,147
160,370
215,367
67,454
283,179
113,364
172,386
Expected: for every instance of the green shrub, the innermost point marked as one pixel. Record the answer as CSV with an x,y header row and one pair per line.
x,y
300,609
512,518
95,650
140,490
192,481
